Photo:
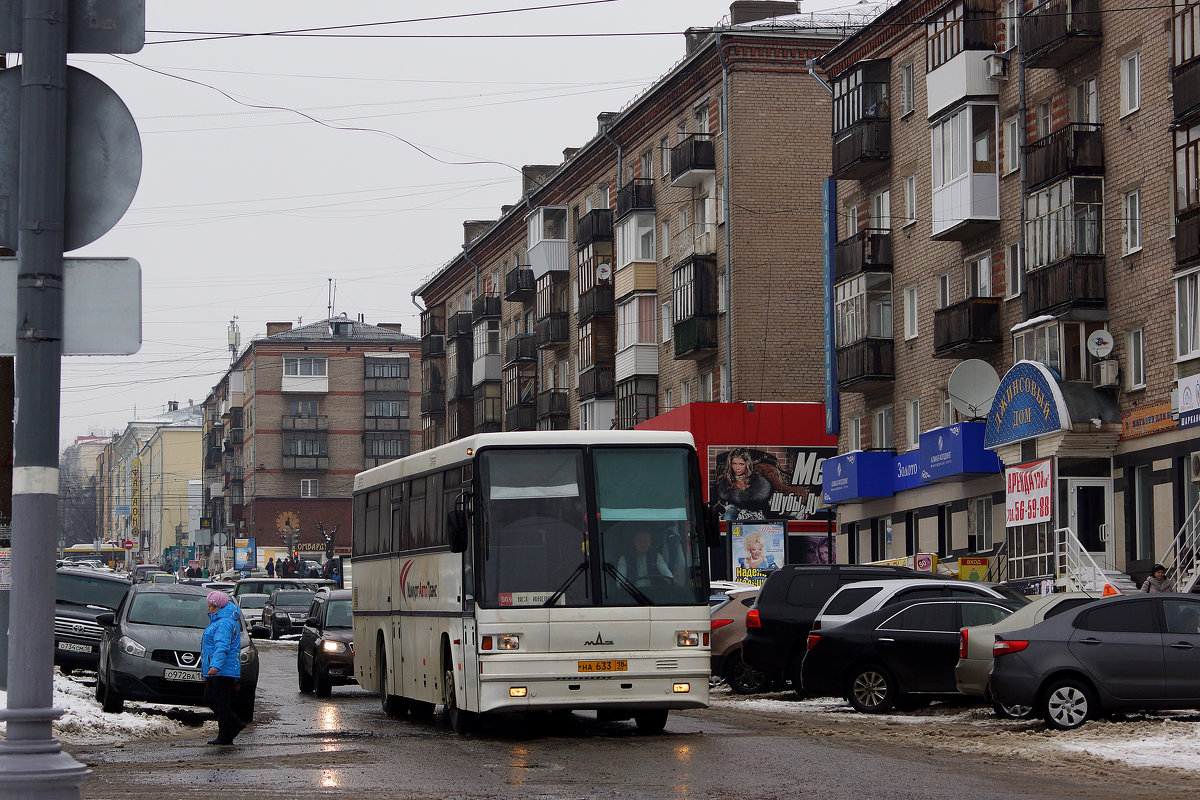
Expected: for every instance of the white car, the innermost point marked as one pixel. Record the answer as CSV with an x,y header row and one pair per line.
x,y
858,599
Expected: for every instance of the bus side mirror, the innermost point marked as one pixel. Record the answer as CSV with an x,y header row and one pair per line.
x,y
712,526
456,525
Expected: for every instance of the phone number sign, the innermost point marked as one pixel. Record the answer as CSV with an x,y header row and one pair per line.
x,y
1029,494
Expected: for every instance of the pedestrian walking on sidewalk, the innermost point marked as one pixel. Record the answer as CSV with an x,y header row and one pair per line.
x,y
1157,582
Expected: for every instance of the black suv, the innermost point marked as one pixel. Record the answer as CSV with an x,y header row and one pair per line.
x,y
80,595
779,621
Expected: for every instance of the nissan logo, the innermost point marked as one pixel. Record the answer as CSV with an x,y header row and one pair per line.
x,y
187,658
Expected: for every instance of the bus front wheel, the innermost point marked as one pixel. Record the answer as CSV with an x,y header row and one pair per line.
x,y
392,705
651,721
459,720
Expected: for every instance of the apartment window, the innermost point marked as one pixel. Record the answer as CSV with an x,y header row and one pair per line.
x,y
308,487
486,334
390,448
979,276
1010,19
685,393
722,292
548,223
1087,102
1014,271
1042,343
664,147
637,401
646,164
1043,119
1143,512
851,216
1135,358
666,239
700,117
1063,220
670,398
854,434
306,447
387,367
386,408
863,308
946,295
881,428
1131,205
706,387
636,321
305,366
881,209
1131,82
305,408
964,143
907,88
943,37
587,347
979,524
1012,145
1187,315
946,413
1187,168
912,424
910,312
635,239
910,199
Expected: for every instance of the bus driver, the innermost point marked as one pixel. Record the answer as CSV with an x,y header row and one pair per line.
x,y
645,563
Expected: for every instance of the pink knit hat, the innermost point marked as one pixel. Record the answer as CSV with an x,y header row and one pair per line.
x,y
217,599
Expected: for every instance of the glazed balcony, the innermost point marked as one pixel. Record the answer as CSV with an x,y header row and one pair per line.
x,y
234,474
520,348
552,403
594,226
1056,32
1077,281
294,463
695,337
318,423
391,385
521,417
970,329
553,330
519,285
433,404
693,160
865,365
1185,95
433,346
868,250
596,302
1187,240
637,195
596,381
1075,149
459,386
862,149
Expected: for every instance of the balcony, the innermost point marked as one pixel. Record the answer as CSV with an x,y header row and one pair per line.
x,y
459,325
485,307
1075,282
320,423
460,419
970,329
460,386
519,285
552,403
594,226
1074,149
1187,241
386,423
433,404
862,149
637,195
234,474
596,381
391,385
865,366
237,436
693,160
293,463
1185,96
695,337
520,348
1056,32
640,276
521,417
868,250
596,302
553,330
433,346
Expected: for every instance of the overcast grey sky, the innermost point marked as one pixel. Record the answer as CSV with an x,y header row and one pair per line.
x,y
250,211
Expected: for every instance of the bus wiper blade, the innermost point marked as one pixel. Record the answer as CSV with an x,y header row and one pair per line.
x,y
627,584
552,599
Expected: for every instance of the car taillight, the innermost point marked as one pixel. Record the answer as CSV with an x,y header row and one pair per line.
x,y
752,620
962,643
721,623
1003,647
813,638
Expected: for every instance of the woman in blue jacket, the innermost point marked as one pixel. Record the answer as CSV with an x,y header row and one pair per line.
x,y
220,664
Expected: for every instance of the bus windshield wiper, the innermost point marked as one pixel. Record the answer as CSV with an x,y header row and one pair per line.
x,y
627,584
552,599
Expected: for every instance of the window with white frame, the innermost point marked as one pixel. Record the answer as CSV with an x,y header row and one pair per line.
x,y
667,330
1131,82
486,338
1010,18
722,292
646,164
881,428
1012,145
386,408
912,423
666,239
1041,343
664,147
1135,358
854,433
1064,219
863,308
670,400
964,143
637,321
305,366
1014,270
308,487
1086,101
910,312
979,275
685,393
946,412
706,387
1187,167
945,289
1060,345
979,524
635,239
1187,315
850,215
881,209
907,88
910,199
1043,120
1131,205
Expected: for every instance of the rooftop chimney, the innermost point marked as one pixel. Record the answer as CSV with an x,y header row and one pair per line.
x,y
569,153
505,209
604,118
474,228
391,326
534,176
278,327
743,11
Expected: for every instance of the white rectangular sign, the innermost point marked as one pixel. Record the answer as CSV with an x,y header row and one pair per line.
x,y
102,306
1028,493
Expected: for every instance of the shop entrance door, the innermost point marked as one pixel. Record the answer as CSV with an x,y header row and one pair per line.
x,y
1090,506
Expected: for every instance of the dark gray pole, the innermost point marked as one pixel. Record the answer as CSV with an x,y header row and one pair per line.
x,y
32,762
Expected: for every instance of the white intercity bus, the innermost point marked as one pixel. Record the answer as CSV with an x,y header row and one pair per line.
x,y
549,570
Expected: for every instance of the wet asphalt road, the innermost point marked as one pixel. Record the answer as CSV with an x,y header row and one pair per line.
x,y
344,746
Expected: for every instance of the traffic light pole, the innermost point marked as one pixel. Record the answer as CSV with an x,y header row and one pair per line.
x,y
32,762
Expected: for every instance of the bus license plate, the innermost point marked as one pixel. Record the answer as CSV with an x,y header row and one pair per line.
x,y
619,665
181,675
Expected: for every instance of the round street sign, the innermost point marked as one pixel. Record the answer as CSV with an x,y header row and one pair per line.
x,y
129,544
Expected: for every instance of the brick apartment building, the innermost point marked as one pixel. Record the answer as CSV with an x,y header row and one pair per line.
x,y
299,412
673,259
1017,182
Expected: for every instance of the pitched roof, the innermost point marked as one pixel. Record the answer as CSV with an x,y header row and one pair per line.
x,y
350,330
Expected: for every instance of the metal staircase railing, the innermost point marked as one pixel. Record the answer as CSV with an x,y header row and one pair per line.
x,y
998,564
1182,559
1074,566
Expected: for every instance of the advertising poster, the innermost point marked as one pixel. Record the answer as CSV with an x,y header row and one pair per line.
x,y
757,548
1029,494
753,483
244,556
815,548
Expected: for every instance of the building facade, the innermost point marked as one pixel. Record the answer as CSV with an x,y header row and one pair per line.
x,y
298,414
1012,281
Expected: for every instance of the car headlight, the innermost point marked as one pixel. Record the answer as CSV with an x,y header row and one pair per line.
x,y
130,648
333,647
246,654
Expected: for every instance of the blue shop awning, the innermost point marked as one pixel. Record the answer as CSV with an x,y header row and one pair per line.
x,y
906,472
956,453
854,477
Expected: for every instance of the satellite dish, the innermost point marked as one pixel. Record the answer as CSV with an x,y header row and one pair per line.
x,y
1100,343
971,388
603,272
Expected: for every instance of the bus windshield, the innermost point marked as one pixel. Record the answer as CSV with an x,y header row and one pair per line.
x,y
548,538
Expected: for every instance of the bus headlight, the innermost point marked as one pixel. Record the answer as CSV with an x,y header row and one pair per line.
x,y
687,638
508,641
